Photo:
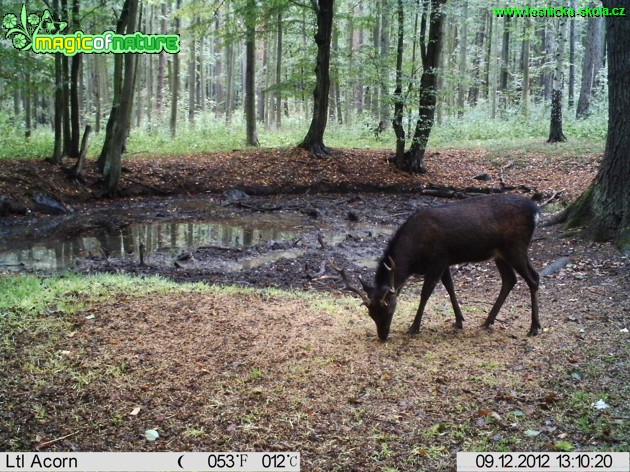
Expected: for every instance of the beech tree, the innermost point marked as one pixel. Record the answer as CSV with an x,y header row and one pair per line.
x,y
120,116
413,160
555,128
314,140
603,210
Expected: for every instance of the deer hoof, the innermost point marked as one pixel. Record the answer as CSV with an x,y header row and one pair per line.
x,y
534,331
487,325
413,331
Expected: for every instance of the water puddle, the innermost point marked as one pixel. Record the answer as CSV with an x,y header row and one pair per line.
x,y
165,239
226,241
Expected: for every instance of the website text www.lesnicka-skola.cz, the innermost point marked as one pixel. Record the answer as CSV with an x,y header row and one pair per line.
x,y
552,12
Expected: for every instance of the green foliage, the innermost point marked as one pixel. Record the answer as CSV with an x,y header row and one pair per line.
x,y
212,134
25,295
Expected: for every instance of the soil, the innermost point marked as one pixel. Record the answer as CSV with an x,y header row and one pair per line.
x,y
265,370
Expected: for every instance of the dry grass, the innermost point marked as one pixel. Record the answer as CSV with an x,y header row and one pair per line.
x,y
258,370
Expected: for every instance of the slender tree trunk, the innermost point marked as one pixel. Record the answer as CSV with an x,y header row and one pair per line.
x,y
336,89
201,76
414,50
75,70
250,74
505,61
414,158
121,125
384,109
175,80
161,70
604,209
104,162
480,36
489,57
28,125
399,104
218,87
525,89
229,81
592,45
555,130
67,129
314,140
279,73
463,44
546,77
572,58
57,155
192,69
96,77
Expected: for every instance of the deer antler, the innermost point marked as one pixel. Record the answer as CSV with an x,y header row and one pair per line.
x,y
391,268
344,276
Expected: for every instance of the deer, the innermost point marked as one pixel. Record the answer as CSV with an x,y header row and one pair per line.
x,y
476,229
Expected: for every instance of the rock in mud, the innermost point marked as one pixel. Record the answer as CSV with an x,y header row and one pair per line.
x,y
50,205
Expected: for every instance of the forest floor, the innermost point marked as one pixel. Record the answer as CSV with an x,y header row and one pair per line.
x,y
243,367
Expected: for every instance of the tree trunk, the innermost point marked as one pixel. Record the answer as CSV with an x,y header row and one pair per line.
x,y
463,44
572,59
592,44
58,120
414,158
121,124
480,36
546,79
175,81
314,140
250,74
103,162
489,57
399,104
604,209
159,93
525,62
217,71
505,60
229,81
278,94
27,105
192,73
384,108
67,130
555,129
75,70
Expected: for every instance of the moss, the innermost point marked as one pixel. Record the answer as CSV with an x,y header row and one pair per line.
x,y
580,213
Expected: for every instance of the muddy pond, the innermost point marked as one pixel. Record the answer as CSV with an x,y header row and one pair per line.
x,y
282,241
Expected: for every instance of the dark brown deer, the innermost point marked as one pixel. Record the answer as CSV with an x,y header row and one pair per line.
x,y
498,227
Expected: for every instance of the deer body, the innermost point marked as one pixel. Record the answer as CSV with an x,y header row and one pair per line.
x,y
498,227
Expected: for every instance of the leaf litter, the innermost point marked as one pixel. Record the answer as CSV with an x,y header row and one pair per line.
x,y
257,370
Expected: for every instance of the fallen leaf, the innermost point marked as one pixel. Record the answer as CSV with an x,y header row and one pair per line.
x,y
135,411
151,434
563,446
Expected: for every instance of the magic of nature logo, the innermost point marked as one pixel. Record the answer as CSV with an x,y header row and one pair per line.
x,y
43,34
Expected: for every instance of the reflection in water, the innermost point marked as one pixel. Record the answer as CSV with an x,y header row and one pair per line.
x,y
169,238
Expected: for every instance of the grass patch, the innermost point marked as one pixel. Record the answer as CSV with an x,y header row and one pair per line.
x,y
510,136
234,368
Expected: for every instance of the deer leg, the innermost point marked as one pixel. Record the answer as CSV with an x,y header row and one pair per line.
x,y
447,281
532,278
430,281
508,280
